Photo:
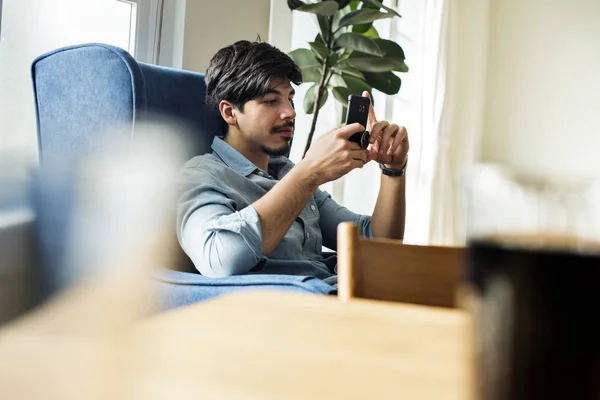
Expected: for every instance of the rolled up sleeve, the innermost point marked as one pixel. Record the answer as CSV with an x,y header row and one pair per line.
x,y
219,239
332,214
223,243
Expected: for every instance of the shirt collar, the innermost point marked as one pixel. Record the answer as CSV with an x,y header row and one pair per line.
x,y
233,158
239,163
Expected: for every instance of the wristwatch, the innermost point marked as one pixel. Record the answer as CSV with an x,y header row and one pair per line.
x,y
393,172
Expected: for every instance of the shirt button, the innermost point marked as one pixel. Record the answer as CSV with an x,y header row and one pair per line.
x,y
312,207
308,235
261,173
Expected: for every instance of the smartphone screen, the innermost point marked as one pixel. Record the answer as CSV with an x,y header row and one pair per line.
x,y
358,111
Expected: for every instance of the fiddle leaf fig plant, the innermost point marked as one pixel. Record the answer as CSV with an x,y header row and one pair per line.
x,y
347,56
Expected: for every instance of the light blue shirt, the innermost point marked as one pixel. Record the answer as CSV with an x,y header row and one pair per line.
x,y
220,230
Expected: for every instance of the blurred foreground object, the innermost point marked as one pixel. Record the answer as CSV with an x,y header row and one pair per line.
x,y
294,346
121,214
533,269
17,240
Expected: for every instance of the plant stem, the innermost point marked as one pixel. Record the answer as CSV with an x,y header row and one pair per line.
x,y
322,87
320,90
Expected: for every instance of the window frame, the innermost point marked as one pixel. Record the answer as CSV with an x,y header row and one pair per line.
x,y
148,30
0,19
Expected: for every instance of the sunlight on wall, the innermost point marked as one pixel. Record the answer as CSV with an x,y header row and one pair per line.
x,y
543,94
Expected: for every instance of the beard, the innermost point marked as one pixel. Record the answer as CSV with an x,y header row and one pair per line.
x,y
283,149
280,151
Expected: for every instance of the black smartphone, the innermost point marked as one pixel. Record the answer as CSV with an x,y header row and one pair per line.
x,y
358,111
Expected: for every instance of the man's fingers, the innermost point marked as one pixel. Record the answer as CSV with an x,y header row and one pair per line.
x,y
377,128
357,164
348,130
361,155
401,137
387,137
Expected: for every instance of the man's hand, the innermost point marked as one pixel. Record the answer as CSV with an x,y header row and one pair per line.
x,y
333,155
389,142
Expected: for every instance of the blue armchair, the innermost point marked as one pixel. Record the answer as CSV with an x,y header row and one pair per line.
x,y
80,93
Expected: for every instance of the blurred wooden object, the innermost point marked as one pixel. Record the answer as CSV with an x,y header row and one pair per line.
x,y
269,345
248,345
383,269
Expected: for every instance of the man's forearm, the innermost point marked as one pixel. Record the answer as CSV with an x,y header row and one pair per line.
x,y
279,208
389,215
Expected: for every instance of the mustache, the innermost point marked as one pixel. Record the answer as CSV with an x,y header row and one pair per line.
x,y
286,126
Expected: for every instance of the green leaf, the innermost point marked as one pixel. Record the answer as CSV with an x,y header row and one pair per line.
x,y
390,48
348,70
371,33
319,39
358,42
368,63
356,85
324,26
362,28
354,4
325,8
312,74
336,80
337,18
341,94
393,49
308,63
320,50
402,68
379,5
311,97
293,4
303,58
332,60
364,16
343,3
386,82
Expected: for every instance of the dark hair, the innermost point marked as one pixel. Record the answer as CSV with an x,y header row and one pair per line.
x,y
243,71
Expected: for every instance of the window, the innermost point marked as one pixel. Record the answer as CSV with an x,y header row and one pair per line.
x,y
125,23
57,23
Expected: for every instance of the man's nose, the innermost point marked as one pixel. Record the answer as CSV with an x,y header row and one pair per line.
x,y
288,112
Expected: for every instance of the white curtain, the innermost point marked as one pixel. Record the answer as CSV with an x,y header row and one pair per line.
x,y
430,196
453,60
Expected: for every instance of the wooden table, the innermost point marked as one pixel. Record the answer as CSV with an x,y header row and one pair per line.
x,y
271,345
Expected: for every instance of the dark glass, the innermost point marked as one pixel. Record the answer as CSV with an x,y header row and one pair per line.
x,y
538,322
533,285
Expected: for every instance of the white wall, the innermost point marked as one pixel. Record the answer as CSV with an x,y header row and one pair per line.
x,y
211,25
29,29
543,86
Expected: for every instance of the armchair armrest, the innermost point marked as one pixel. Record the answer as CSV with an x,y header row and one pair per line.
x,y
17,247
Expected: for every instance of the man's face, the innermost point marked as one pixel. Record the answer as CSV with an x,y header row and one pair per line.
x,y
268,121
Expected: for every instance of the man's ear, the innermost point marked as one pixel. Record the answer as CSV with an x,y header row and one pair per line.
x,y
228,112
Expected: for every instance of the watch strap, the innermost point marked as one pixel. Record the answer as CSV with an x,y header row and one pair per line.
x,y
393,172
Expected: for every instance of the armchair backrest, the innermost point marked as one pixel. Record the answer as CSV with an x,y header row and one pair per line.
x,y
83,91
82,94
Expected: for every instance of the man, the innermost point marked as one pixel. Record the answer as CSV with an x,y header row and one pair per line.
x,y
246,208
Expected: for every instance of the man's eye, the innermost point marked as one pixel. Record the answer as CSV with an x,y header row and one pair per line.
x,y
269,101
